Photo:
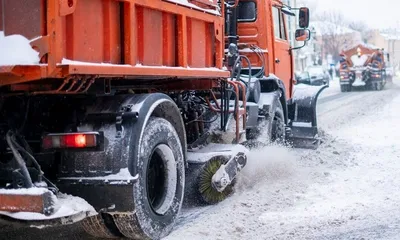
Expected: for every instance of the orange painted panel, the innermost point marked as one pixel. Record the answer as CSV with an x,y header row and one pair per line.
x,y
152,41
153,33
198,40
169,39
86,32
22,17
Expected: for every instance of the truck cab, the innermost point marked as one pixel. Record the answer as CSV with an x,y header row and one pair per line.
x,y
263,29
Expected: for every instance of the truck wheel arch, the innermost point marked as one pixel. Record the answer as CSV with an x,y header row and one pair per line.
x,y
273,83
141,107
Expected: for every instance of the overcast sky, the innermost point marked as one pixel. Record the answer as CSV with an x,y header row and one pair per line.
x,y
376,13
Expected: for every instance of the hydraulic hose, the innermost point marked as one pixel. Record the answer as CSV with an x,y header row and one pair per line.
x,y
20,161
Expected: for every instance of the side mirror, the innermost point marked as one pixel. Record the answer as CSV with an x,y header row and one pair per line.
x,y
304,17
302,35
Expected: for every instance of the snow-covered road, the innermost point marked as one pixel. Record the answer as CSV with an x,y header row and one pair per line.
x,y
347,189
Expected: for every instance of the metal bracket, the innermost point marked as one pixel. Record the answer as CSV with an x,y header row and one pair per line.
x,y
124,113
228,172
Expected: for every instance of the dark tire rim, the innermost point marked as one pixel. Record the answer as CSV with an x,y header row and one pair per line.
x,y
161,179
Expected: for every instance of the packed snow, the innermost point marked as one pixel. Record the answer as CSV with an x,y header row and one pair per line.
x,y
24,191
16,50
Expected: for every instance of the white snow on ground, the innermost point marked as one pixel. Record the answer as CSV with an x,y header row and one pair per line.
x,y
16,50
347,189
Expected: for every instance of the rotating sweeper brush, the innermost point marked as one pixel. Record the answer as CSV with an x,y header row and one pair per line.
x,y
207,190
215,177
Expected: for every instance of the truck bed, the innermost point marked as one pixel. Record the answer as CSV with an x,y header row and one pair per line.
x,y
125,39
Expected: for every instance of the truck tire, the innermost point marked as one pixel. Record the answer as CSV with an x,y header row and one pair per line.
x,y
345,88
158,193
97,227
278,133
379,86
270,129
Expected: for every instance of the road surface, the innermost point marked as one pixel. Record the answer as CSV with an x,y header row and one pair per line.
x,y
347,189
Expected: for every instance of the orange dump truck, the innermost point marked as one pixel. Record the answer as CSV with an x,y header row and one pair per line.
x,y
363,65
109,106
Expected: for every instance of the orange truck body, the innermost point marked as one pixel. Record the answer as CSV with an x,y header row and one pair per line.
x,y
365,50
132,39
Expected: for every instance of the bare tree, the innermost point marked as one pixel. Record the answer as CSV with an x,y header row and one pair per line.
x,y
363,28
334,32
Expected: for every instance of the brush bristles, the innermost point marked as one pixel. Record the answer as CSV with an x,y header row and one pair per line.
x,y
208,193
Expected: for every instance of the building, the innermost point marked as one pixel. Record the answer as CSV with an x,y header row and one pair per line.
x,y
390,42
331,39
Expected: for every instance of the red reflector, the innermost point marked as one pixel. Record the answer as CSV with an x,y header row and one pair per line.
x,y
78,140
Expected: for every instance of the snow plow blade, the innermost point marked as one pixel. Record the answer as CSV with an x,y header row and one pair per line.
x,y
39,207
303,117
40,201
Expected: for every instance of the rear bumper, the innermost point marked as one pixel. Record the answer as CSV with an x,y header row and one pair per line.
x,y
38,207
35,200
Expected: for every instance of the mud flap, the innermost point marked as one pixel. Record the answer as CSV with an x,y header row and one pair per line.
x,y
302,113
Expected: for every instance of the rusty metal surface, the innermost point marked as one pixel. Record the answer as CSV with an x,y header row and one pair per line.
x,y
41,203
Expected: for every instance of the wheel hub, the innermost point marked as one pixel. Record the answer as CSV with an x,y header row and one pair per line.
x,y
161,179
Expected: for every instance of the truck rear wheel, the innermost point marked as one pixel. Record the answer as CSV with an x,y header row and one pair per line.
x,y
345,88
97,226
158,193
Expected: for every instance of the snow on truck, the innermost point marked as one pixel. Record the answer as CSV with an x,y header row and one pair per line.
x,y
363,65
109,107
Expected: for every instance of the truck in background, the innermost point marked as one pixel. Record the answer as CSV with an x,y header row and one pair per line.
x,y
363,66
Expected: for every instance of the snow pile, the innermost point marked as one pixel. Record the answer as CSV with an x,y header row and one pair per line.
x,y
16,50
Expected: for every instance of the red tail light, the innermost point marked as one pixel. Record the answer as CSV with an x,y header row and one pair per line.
x,y
72,140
